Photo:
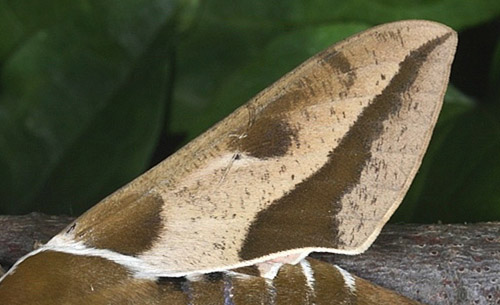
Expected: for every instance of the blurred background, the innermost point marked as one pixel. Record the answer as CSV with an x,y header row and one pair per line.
x,y
93,93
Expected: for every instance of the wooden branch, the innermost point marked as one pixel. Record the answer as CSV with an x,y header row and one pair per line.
x,y
434,264
20,234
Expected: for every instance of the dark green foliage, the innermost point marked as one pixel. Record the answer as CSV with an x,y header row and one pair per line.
x,y
88,90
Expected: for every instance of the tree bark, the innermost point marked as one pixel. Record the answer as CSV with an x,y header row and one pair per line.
x,y
433,264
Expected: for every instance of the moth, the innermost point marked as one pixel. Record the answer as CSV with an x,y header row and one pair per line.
x,y
317,162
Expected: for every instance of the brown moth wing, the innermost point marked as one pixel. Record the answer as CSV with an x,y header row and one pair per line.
x,y
317,161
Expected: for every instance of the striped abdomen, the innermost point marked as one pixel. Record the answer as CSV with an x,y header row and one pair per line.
x,y
78,279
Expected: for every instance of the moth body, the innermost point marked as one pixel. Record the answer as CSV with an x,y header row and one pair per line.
x,y
81,279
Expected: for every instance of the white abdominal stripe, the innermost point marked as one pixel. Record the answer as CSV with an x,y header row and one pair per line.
x,y
349,280
308,273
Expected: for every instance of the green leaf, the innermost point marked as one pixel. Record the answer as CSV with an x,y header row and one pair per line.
x,y
296,13
80,92
495,78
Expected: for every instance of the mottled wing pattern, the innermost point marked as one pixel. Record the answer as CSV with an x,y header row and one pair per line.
x,y
318,161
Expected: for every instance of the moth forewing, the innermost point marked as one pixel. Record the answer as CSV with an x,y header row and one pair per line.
x,y
316,162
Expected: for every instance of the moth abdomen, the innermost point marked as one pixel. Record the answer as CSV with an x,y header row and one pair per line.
x,y
308,282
